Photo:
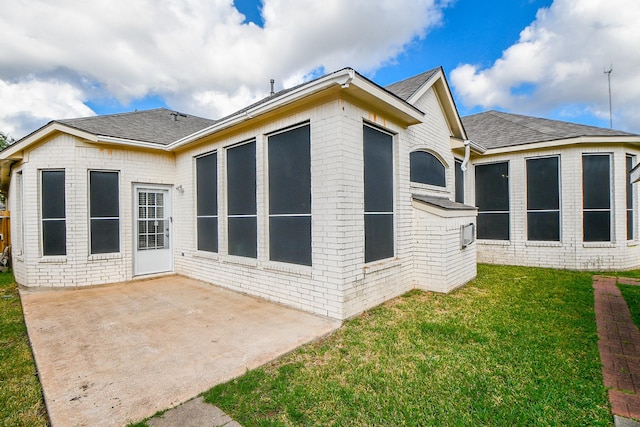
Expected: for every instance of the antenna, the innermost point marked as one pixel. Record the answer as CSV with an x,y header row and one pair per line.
x,y
608,73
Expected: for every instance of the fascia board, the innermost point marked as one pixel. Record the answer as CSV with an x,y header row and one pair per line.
x,y
345,78
14,150
587,140
129,142
342,77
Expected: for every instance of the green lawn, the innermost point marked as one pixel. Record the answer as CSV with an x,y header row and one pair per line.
x,y
517,346
631,294
21,402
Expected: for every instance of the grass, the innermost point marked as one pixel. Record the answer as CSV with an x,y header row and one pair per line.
x,y
517,346
21,402
631,294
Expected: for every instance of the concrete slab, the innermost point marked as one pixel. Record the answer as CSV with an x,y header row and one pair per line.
x,y
194,413
111,355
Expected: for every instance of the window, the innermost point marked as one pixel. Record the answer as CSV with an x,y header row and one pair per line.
x,y
596,197
104,212
426,169
543,199
630,201
54,228
378,195
19,247
492,200
241,200
459,182
207,202
290,196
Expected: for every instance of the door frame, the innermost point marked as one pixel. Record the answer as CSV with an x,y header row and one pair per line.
x,y
134,227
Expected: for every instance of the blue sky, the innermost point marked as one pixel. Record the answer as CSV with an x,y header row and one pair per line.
x,y
539,57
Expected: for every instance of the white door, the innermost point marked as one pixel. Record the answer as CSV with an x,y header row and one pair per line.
x,y
152,230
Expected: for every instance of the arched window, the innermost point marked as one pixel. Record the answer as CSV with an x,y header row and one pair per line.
x,y
427,169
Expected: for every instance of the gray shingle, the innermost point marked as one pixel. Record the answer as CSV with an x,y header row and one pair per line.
x,y
443,203
494,129
405,88
158,126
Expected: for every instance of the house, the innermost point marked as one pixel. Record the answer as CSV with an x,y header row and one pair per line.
x,y
553,194
331,197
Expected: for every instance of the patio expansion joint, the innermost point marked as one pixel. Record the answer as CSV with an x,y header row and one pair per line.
x,y
619,345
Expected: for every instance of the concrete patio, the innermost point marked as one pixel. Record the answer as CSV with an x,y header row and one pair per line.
x,y
115,354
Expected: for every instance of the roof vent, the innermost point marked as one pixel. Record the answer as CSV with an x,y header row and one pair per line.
x,y
272,83
175,115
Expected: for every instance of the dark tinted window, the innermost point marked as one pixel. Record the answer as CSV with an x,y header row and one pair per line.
x,y
290,172
427,169
207,184
241,198
290,196
492,187
54,238
459,182
104,207
630,215
207,202
104,194
492,200
290,239
242,236
543,199
53,200
54,234
596,184
241,179
596,224
378,171
378,194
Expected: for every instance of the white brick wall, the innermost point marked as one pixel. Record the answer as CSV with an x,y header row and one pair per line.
x,y
338,284
571,252
78,267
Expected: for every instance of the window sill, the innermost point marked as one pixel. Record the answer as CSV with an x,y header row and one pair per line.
x,y
213,256
19,258
238,260
376,266
543,244
631,243
283,267
103,257
53,260
494,242
598,245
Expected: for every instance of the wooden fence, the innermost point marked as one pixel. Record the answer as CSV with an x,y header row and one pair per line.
x,y
5,230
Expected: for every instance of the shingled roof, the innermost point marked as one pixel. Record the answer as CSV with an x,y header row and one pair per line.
x,y
405,88
159,126
495,129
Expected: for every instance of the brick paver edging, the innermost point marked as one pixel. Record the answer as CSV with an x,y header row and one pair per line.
x,y
619,344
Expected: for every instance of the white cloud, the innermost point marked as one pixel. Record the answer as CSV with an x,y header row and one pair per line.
x,y
29,104
196,54
559,61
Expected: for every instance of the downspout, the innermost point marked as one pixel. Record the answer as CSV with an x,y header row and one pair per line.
x,y
467,153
